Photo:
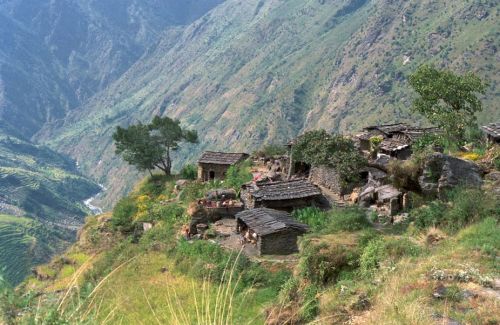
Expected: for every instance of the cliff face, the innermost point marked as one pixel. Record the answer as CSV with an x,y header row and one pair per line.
x,y
251,72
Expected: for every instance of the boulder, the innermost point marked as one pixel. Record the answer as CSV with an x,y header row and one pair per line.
x,y
442,172
181,183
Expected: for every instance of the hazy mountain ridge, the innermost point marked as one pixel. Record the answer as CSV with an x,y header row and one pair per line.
x,y
251,72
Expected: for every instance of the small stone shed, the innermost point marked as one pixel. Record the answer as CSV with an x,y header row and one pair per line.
x,y
214,165
284,195
492,131
276,232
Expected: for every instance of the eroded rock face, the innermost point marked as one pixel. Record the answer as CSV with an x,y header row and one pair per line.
x,y
442,172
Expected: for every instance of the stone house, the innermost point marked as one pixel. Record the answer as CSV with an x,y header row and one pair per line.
x,y
275,231
492,132
397,138
214,165
283,195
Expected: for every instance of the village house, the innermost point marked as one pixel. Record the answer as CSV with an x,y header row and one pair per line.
x,y
283,195
214,165
274,232
492,132
396,138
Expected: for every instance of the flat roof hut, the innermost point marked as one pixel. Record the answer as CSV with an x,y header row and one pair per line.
x,y
492,131
214,165
284,195
275,231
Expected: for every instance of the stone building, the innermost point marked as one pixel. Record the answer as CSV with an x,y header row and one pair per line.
x,y
275,232
397,138
214,165
329,178
284,195
492,132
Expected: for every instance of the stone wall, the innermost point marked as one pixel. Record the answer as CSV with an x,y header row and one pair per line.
x,y
200,214
327,177
282,243
205,171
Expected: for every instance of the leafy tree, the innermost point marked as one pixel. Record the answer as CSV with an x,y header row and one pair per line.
x,y
447,100
319,148
149,146
170,134
138,147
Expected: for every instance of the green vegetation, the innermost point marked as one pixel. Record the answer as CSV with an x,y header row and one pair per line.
x,y
318,148
149,146
25,243
349,219
464,206
448,100
189,172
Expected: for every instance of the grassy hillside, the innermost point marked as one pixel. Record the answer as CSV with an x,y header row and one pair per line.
x,y
251,72
25,243
37,182
347,271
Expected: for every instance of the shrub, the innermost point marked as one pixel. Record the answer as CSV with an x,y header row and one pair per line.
x,y
289,291
319,148
123,215
311,216
189,172
322,264
238,175
349,219
310,304
429,215
371,257
468,206
404,174
154,185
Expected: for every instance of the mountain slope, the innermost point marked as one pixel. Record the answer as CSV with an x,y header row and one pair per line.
x,y
26,243
56,54
53,56
258,71
37,182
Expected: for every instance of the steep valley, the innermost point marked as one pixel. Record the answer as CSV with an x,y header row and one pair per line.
x,y
254,72
242,72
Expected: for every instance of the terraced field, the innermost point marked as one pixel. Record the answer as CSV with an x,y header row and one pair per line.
x,y
25,242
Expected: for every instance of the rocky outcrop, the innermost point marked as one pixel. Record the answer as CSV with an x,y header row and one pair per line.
x,y
442,172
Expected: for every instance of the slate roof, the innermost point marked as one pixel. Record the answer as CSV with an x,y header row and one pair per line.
x,y
221,158
388,129
285,190
268,221
492,129
392,145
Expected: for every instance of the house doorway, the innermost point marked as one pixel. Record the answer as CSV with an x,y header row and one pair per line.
x,y
211,175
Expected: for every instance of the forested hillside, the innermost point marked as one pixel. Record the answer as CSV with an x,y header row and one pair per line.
x,y
258,71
